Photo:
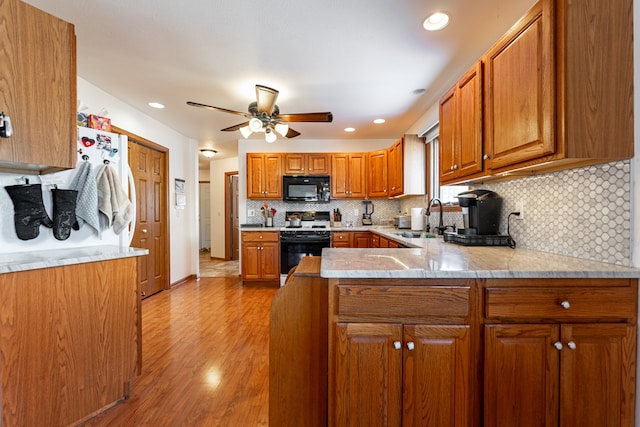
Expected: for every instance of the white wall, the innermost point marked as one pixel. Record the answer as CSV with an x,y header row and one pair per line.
x,y
218,185
183,164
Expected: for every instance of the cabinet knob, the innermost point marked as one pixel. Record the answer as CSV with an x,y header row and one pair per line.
x,y
411,345
485,157
451,168
397,345
144,230
565,304
385,190
558,345
261,236
571,345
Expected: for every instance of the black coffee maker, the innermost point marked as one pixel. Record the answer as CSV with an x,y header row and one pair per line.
x,y
480,212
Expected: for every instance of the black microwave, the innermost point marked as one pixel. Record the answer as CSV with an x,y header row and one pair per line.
x,y
306,188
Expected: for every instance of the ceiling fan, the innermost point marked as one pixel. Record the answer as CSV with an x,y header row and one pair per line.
x,y
264,116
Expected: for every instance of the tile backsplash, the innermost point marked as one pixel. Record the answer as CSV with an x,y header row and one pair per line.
x,y
583,212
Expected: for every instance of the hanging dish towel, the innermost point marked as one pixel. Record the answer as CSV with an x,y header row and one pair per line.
x,y
114,206
87,203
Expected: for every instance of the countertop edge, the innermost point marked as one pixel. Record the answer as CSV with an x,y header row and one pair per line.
x,y
24,261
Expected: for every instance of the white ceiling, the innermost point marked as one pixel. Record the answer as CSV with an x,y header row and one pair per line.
x,y
359,59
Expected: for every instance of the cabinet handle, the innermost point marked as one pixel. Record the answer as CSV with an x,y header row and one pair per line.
x,y
565,304
411,345
571,345
397,345
558,345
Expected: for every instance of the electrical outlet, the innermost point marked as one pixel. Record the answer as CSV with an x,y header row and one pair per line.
x,y
252,212
356,212
520,208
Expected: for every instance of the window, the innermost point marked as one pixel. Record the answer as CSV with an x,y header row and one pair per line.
x,y
445,193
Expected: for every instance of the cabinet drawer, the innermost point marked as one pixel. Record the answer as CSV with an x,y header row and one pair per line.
x,y
410,301
561,304
260,236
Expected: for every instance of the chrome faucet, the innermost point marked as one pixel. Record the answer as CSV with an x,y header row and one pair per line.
x,y
441,227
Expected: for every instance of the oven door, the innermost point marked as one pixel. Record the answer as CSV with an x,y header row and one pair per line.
x,y
292,252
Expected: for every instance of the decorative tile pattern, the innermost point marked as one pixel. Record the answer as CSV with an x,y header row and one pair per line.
x,y
583,212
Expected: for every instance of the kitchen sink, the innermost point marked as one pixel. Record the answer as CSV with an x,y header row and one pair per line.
x,y
415,234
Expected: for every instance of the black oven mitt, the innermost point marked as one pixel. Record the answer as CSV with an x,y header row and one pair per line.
x,y
29,212
64,213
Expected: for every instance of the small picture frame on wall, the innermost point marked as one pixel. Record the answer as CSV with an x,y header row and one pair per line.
x,y
181,199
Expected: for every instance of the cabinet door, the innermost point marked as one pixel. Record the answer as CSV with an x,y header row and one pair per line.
x,y
438,385
374,242
598,365
470,122
521,375
273,176
339,175
519,91
357,176
377,171
318,164
367,375
255,172
294,164
360,240
38,69
251,261
341,239
447,137
270,261
396,168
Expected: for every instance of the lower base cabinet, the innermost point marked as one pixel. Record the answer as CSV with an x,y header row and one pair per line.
x,y
71,341
260,257
394,374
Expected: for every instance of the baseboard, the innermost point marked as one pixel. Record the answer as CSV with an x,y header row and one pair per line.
x,y
183,281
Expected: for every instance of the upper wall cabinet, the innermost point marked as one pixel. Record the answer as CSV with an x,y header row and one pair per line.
x,y
348,176
264,176
307,164
559,87
461,127
377,173
37,89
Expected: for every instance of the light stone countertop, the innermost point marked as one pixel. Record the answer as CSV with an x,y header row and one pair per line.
x,y
22,261
433,258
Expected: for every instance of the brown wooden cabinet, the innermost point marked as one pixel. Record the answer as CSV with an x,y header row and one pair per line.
x,y
461,127
350,239
38,69
374,240
306,164
408,361
348,176
566,351
549,89
377,173
396,168
264,176
71,341
260,257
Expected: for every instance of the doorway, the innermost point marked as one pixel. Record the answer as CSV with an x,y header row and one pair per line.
x,y
232,226
149,166
204,193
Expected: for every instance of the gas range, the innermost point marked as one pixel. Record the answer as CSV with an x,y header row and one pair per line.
x,y
309,219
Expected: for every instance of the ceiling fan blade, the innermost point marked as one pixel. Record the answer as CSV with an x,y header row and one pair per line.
x,y
211,107
307,117
266,98
236,127
292,133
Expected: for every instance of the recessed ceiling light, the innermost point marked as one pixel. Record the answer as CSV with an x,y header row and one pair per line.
x,y
379,121
349,129
156,105
419,91
436,21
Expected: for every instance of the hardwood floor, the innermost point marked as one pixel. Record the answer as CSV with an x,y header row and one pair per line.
x,y
204,358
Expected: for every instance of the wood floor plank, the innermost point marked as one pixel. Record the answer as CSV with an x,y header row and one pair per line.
x,y
205,358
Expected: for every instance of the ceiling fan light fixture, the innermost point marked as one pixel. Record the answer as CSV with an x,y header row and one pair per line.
x,y
208,152
282,129
270,136
436,21
255,124
246,131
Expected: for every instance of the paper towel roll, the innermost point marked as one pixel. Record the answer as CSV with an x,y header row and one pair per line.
x,y
417,219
